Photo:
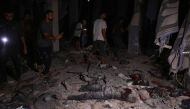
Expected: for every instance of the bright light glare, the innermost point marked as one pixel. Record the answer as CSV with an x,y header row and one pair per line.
x,y
88,0
4,39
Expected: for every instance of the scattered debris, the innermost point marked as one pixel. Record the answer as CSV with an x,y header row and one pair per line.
x,y
104,66
124,62
106,86
158,92
139,80
121,75
23,107
114,67
85,78
155,73
185,104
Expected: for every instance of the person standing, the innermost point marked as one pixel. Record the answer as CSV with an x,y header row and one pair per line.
x,y
99,36
80,34
10,46
77,35
45,41
84,34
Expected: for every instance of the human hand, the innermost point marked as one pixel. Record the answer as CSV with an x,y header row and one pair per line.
x,y
59,36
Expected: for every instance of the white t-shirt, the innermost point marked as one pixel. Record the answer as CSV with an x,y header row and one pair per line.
x,y
99,25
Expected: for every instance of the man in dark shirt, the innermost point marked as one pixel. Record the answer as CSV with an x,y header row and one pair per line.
x,y
45,41
10,43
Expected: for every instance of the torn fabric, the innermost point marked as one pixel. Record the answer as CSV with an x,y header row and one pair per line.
x,y
177,59
167,22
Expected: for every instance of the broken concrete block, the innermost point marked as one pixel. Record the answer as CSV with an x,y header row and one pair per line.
x,y
114,67
121,75
66,85
83,106
102,66
108,104
23,107
2,94
50,100
98,105
131,98
85,78
144,95
130,83
151,103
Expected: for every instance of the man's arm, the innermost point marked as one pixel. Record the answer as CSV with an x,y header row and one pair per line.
x,y
24,45
20,29
104,28
48,36
53,37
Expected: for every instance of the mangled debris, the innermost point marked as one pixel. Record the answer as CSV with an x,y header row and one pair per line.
x,y
90,86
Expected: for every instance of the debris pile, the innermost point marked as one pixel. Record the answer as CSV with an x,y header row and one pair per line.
x,y
78,81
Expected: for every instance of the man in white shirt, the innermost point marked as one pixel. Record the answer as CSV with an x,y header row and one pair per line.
x,y
99,35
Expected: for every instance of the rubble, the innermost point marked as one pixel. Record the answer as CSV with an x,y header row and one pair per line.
x,y
158,92
185,104
23,107
48,101
76,82
124,62
144,95
122,76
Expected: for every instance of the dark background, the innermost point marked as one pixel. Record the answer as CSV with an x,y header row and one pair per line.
x,y
115,9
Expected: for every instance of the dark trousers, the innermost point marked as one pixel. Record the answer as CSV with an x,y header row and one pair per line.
x,y
100,46
83,41
46,58
117,42
32,55
15,58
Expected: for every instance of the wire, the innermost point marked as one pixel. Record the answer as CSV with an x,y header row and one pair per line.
x,y
176,78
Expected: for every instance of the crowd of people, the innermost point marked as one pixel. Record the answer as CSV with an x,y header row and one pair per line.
x,y
18,39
